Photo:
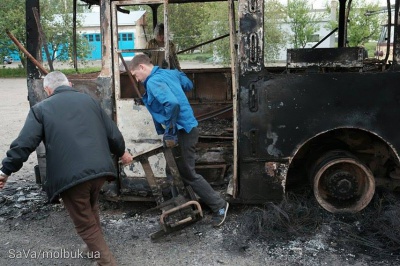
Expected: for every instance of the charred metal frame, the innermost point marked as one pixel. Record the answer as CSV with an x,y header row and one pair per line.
x,y
279,120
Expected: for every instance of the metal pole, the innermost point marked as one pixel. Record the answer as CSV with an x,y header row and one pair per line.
x,y
74,48
334,5
235,90
166,33
32,37
342,23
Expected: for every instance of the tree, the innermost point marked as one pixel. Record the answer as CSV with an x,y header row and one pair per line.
x,y
274,34
361,28
218,25
58,31
57,22
303,22
12,13
188,21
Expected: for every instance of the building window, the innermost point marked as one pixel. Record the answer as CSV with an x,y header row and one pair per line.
x,y
97,37
124,38
90,38
130,36
314,38
119,37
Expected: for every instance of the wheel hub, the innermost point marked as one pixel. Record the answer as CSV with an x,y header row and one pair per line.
x,y
342,185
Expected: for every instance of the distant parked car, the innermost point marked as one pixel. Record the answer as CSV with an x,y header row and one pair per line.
x,y
7,60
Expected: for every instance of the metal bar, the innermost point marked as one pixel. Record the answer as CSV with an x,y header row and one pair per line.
x,y
203,43
213,113
151,179
138,2
106,39
74,42
43,38
326,37
187,204
346,19
32,38
169,158
149,153
134,84
166,33
235,89
154,10
389,27
183,221
31,58
396,40
140,50
342,22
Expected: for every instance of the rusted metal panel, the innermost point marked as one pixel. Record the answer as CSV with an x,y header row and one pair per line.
x,y
233,184
207,97
217,90
277,171
106,37
35,91
251,35
325,57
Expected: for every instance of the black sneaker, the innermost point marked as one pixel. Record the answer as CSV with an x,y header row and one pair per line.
x,y
219,217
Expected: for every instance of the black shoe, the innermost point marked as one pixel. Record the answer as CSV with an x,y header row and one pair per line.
x,y
219,217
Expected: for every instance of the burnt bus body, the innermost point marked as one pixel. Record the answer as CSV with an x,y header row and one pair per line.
x,y
327,120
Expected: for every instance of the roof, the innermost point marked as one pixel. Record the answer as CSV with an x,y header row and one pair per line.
x,y
93,19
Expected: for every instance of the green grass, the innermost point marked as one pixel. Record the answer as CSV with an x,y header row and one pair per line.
x,y
195,57
21,73
371,47
81,70
12,72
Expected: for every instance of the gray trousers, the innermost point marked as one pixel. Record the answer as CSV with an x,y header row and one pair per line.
x,y
185,159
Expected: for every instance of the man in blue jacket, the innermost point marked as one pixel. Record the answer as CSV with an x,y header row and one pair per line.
x,y
173,116
79,138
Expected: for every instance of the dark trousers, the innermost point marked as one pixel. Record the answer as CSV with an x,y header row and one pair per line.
x,y
82,204
185,159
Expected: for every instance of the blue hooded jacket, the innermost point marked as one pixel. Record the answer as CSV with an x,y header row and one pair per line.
x,y
166,100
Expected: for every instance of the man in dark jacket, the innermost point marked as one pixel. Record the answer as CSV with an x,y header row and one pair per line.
x,y
79,138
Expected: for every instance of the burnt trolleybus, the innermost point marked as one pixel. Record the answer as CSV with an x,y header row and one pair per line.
x,y
327,120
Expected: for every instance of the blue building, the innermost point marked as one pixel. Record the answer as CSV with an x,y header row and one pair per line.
x,y
130,32
130,35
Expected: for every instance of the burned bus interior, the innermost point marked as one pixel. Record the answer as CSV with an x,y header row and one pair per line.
x,y
324,120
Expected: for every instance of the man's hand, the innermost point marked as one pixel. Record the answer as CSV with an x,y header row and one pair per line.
x,y
126,158
3,180
170,139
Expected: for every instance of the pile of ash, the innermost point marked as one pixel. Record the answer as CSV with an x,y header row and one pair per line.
x,y
373,232
23,199
215,127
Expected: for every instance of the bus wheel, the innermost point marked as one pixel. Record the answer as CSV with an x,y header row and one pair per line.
x,y
341,182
